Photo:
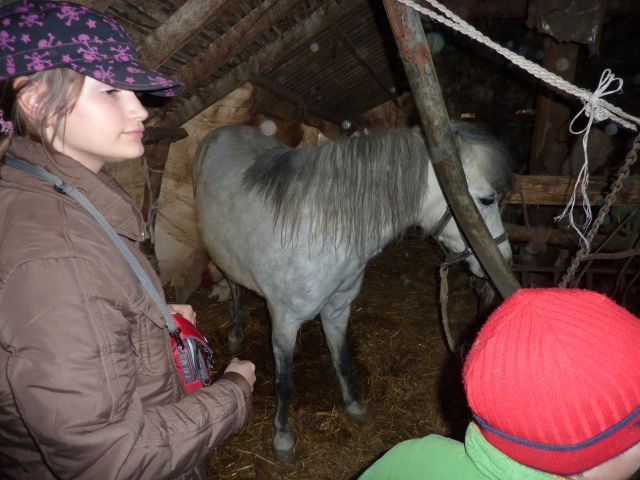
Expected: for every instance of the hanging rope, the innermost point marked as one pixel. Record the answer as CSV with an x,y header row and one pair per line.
x,y
623,173
153,203
607,80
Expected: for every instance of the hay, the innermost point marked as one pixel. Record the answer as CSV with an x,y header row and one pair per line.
x,y
402,370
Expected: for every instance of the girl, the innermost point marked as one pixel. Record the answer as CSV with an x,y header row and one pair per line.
x,y
88,388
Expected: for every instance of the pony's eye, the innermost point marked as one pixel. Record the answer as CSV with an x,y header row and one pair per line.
x,y
488,201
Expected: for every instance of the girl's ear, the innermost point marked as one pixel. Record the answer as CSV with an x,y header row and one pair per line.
x,y
26,96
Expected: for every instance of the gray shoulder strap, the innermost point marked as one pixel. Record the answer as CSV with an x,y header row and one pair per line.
x,y
74,193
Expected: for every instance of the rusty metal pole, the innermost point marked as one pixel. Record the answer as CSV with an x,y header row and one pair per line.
x,y
417,61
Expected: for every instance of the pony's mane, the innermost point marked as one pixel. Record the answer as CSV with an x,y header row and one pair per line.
x,y
354,190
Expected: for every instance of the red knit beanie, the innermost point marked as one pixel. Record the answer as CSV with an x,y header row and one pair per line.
x,y
553,379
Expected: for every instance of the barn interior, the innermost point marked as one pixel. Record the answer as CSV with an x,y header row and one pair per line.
x,y
309,71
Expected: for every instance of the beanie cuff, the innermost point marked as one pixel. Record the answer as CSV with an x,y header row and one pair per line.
x,y
566,459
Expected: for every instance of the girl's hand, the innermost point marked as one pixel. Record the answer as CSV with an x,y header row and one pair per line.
x,y
245,368
183,310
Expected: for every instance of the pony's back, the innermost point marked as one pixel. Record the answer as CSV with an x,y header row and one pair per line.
x,y
236,141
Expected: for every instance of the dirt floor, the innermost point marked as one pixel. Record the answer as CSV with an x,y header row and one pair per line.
x,y
402,370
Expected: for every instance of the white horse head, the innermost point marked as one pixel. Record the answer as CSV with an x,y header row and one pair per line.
x,y
487,169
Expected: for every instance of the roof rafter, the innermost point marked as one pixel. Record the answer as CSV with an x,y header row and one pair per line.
x,y
233,41
187,108
185,23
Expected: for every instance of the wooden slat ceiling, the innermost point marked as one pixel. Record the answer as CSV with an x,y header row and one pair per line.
x,y
333,58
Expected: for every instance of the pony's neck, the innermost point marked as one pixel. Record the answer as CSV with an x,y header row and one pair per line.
x,y
433,203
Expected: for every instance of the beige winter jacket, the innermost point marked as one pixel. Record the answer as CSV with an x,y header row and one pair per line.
x,y
88,389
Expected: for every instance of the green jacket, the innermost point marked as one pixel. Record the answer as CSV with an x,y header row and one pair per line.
x,y
439,458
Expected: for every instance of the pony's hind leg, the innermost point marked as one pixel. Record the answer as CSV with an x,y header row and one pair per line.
x,y
236,336
283,335
335,319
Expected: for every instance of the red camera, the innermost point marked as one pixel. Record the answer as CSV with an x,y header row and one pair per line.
x,y
192,354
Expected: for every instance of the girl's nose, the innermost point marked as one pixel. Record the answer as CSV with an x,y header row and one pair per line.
x,y
136,109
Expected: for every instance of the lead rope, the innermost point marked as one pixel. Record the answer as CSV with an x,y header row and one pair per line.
x,y
444,299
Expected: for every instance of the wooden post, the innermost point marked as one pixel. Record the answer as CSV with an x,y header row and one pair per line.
x,y
550,146
416,57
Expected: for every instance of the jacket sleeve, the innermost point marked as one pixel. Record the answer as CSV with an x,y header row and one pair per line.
x,y
73,376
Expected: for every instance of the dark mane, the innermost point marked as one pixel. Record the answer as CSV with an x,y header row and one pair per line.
x,y
353,189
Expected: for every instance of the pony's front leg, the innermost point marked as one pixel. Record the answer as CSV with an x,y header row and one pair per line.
x,y
283,337
335,319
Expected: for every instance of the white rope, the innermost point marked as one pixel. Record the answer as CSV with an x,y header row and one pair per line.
x,y
595,106
609,84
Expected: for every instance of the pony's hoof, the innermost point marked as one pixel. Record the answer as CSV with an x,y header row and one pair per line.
x,y
283,446
358,413
235,343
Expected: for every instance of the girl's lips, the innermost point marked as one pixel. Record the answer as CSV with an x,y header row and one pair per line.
x,y
135,133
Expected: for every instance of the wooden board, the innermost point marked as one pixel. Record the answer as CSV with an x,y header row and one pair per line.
x,y
556,190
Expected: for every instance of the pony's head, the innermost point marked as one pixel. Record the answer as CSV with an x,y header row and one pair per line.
x,y
487,167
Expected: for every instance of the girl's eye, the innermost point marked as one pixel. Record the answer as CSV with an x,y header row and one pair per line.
x,y
111,91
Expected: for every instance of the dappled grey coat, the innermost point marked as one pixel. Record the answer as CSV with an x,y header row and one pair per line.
x,y
87,385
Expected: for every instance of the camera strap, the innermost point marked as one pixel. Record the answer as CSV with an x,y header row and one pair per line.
x,y
69,190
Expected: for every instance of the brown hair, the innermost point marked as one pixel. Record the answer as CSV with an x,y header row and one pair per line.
x,y
59,89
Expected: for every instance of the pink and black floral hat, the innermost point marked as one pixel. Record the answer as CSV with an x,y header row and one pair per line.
x,y
38,35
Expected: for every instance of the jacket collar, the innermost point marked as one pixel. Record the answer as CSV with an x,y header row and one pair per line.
x,y
494,464
101,189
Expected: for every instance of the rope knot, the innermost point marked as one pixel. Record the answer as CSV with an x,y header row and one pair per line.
x,y
594,107
595,111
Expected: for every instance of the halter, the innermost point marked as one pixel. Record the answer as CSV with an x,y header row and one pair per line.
x,y
454,257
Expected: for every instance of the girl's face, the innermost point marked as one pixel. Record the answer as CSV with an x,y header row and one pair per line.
x,y
104,126
625,466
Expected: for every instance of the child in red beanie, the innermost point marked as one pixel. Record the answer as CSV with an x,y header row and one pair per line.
x,y
553,381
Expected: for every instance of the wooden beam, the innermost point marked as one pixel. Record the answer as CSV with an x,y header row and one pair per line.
x,y
418,64
563,238
271,104
556,190
169,37
296,99
187,108
155,135
550,145
346,43
233,41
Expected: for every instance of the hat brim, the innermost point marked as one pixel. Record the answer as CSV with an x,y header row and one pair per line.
x,y
131,75
567,459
